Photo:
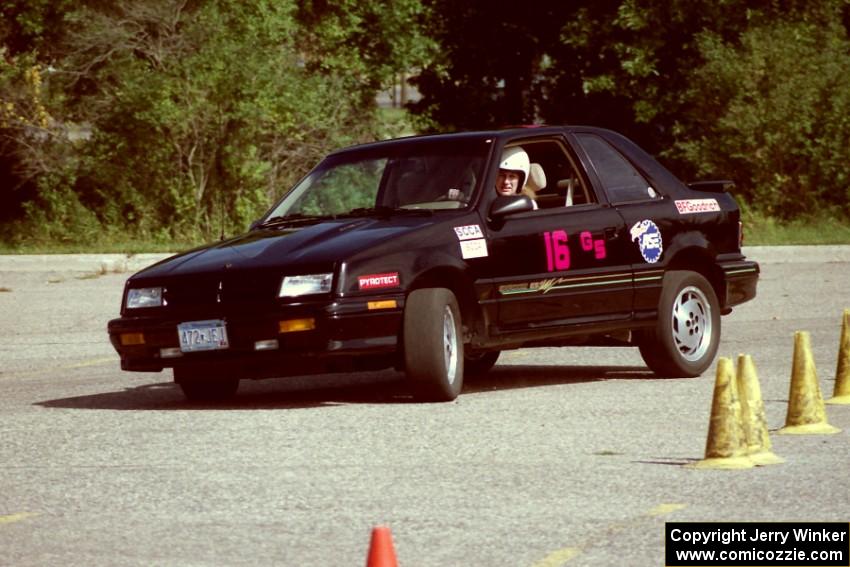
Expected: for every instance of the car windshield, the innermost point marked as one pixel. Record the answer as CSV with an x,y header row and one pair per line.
x,y
405,176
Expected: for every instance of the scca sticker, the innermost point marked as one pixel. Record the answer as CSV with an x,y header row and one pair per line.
x,y
468,232
649,241
476,248
374,281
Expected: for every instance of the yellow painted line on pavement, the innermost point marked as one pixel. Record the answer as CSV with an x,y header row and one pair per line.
x,y
562,556
16,517
83,364
664,509
558,558
92,362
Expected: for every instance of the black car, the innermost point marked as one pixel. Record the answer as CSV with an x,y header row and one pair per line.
x,y
403,254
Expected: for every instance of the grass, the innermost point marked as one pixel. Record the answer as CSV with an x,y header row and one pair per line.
x,y
760,230
119,246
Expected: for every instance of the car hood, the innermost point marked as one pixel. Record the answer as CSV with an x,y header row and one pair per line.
x,y
317,246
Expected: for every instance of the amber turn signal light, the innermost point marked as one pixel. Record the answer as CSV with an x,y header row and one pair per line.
x,y
131,339
295,325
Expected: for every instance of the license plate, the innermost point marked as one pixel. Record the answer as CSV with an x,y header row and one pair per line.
x,y
202,335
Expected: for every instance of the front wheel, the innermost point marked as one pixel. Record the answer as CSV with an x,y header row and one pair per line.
x,y
685,338
433,349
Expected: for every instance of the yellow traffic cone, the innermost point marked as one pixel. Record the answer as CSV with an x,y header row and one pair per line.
x,y
806,412
726,447
841,394
752,411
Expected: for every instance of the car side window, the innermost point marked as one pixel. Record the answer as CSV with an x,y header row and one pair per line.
x,y
621,180
554,180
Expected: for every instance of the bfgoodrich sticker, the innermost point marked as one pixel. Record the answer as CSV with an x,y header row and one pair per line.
x,y
691,206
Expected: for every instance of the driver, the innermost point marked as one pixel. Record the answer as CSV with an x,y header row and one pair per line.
x,y
514,168
513,171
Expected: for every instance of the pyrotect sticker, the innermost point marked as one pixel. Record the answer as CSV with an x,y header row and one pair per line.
x,y
374,281
473,248
468,232
691,206
649,241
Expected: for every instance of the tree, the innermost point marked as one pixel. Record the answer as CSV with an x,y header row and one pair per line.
x,y
774,112
645,68
490,58
623,64
197,114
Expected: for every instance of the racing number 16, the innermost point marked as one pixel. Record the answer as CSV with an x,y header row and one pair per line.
x,y
557,251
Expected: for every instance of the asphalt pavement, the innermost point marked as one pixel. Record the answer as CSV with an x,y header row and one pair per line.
x,y
558,457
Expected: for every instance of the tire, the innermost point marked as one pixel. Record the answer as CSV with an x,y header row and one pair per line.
x,y
203,387
480,363
433,348
685,338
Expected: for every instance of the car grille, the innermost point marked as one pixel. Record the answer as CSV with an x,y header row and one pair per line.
x,y
220,292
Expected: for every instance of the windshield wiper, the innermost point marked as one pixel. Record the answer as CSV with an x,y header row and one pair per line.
x,y
296,218
384,211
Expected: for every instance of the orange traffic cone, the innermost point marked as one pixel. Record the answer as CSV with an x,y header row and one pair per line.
x,y
806,412
381,551
841,393
726,446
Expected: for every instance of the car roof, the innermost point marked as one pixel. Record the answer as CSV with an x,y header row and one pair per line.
x,y
499,134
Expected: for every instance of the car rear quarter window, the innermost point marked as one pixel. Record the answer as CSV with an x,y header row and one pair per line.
x,y
622,182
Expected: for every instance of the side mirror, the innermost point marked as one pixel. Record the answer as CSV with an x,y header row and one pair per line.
x,y
510,205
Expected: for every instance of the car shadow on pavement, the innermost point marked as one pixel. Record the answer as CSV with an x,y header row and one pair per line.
x,y
386,387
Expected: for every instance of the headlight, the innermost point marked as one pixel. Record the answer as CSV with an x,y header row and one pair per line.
x,y
293,286
144,297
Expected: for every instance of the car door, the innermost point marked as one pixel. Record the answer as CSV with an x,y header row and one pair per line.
x,y
564,263
640,203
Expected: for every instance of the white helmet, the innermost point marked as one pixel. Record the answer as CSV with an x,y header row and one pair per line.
x,y
515,159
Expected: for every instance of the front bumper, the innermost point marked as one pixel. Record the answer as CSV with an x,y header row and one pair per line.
x,y
347,332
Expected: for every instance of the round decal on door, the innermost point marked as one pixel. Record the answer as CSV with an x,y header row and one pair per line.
x,y
648,238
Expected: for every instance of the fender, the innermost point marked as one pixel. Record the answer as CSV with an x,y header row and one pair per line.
x,y
691,250
687,241
441,269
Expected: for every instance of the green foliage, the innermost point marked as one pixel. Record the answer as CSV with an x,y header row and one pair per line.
x,y
821,228
172,120
198,115
366,41
28,26
776,112
755,90
343,188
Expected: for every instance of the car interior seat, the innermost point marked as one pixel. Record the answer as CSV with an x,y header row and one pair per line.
x,y
536,181
569,185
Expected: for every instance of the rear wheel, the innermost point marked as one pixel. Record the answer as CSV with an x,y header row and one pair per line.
x,y
204,387
433,349
686,336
